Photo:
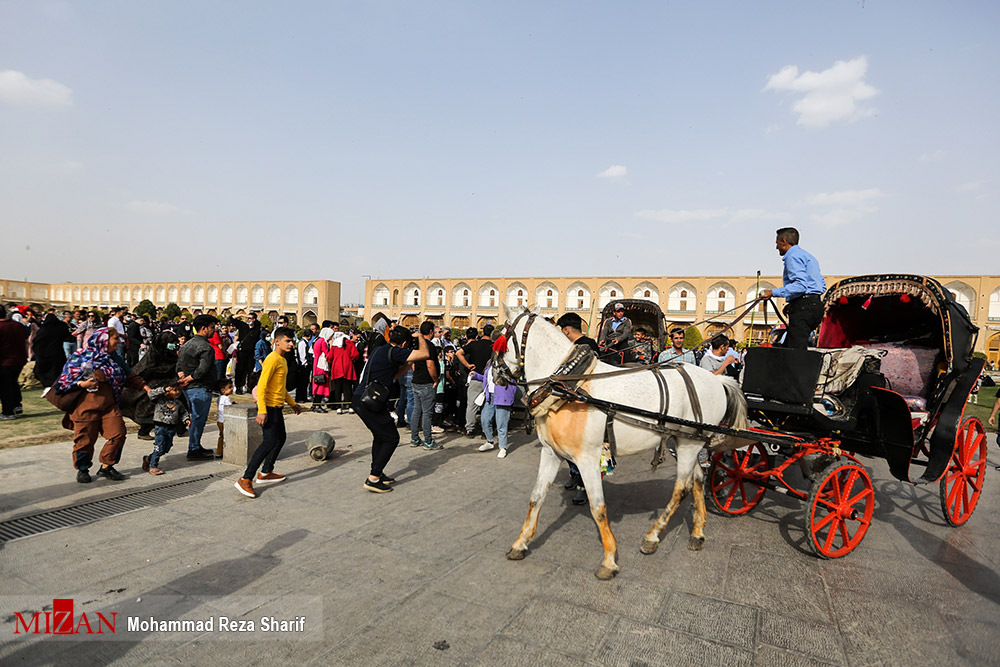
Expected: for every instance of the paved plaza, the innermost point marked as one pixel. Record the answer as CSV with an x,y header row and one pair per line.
x,y
418,576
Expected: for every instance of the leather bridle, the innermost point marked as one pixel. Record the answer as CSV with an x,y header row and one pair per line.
x,y
503,370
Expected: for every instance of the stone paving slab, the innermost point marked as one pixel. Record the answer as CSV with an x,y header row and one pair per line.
x,y
399,572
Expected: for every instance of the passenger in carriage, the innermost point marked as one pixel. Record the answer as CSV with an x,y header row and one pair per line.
x,y
676,352
616,332
642,348
718,360
803,284
572,328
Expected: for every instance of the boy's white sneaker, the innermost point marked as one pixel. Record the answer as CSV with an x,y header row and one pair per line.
x,y
502,454
486,446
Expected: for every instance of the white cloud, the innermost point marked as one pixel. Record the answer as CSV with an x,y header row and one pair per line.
x,y
971,186
154,208
18,88
705,214
843,197
933,156
829,96
842,207
614,172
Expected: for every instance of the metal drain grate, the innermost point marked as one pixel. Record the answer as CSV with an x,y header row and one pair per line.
x,y
83,513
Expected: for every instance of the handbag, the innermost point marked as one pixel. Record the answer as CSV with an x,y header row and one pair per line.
x,y
65,402
319,378
376,395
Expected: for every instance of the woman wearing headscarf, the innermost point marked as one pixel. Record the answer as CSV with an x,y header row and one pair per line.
x,y
50,355
158,367
101,381
322,364
342,371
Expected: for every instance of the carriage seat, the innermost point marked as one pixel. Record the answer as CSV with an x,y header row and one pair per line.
x,y
911,370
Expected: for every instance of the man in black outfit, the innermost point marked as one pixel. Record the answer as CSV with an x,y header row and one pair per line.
x,y
249,334
474,356
385,365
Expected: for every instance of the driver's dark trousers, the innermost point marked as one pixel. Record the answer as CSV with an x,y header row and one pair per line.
x,y
804,315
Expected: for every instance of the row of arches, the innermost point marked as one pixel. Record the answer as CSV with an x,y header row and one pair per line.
x,y
188,294
681,297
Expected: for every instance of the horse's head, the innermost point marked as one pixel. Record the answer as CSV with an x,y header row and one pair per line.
x,y
508,357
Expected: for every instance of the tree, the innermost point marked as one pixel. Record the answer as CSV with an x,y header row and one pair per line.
x,y
265,322
172,311
692,338
146,308
364,326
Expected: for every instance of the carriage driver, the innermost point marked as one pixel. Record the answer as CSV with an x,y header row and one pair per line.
x,y
803,286
615,332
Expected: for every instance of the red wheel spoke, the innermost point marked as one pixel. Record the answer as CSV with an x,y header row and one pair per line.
x,y
864,494
729,498
953,494
743,493
818,525
830,536
851,478
965,499
843,533
728,482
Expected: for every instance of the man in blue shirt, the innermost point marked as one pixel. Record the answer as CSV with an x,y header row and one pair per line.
x,y
803,286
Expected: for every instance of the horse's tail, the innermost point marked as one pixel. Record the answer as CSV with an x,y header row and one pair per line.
x,y
736,405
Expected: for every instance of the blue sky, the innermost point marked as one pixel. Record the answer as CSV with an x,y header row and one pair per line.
x,y
233,140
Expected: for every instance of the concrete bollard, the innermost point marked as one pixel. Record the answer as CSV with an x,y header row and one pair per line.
x,y
243,435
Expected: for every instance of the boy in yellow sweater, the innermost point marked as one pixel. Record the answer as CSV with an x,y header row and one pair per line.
x,y
271,398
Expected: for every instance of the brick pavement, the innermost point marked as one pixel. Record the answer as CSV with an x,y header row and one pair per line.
x,y
399,572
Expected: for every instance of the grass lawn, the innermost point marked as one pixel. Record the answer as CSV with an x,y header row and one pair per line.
x,y
987,395
42,423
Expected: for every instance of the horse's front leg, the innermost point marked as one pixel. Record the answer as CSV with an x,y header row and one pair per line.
x,y
687,462
548,466
697,540
590,472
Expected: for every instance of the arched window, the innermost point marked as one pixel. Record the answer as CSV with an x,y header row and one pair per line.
x,y
242,294
199,294
185,294
76,295
227,294
105,295
137,293
274,295
213,294
292,295
161,295
172,294
116,295
682,298
311,295
257,295
147,293
380,297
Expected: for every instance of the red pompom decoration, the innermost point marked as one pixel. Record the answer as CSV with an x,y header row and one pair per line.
x,y
500,345
842,301
905,298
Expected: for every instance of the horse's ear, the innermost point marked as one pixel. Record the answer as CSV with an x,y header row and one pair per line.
x,y
507,313
535,309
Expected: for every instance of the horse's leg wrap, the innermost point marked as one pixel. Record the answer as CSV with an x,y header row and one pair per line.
x,y
651,541
591,473
697,540
548,467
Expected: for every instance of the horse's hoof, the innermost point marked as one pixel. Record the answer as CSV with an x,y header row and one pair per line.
x,y
516,554
605,573
649,547
696,543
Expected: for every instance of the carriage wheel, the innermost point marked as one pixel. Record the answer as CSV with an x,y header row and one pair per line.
x,y
962,482
839,509
731,479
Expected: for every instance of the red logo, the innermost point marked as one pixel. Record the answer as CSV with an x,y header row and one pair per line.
x,y
61,621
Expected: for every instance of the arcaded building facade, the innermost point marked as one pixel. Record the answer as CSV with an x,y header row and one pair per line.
x,y
685,300
304,301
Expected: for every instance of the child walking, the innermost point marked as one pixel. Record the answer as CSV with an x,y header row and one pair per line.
x,y
168,413
272,395
225,390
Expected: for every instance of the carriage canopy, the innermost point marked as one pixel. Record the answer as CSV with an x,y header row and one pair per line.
x,y
898,308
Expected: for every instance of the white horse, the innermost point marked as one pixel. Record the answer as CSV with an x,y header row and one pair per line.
x,y
575,431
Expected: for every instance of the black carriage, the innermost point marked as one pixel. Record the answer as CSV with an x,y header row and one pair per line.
x,y
889,378
643,314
